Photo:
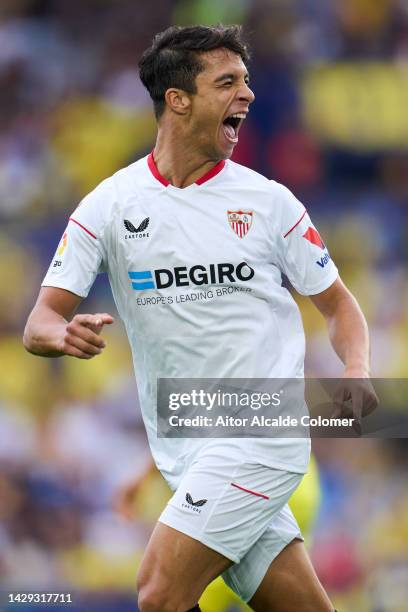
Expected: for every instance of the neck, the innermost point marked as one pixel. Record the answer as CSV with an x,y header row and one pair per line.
x,y
179,159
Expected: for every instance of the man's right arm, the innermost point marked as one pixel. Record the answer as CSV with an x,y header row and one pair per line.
x,y
52,329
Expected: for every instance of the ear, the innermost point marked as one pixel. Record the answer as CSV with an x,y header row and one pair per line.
x,y
178,101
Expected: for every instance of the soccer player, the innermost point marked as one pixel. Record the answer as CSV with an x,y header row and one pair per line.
x,y
194,246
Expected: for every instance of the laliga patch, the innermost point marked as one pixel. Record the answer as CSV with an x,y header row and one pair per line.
x,y
57,263
240,221
63,244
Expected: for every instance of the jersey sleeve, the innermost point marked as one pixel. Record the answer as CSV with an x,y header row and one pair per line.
x,y
302,254
81,254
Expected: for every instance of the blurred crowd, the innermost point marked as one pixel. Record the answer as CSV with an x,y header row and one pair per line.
x,y
330,122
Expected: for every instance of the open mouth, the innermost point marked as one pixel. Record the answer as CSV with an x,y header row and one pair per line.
x,y
231,126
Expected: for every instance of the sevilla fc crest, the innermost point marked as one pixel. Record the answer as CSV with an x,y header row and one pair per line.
x,y
240,221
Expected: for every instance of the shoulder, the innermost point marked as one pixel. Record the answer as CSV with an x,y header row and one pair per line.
x,y
245,177
288,208
98,206
242,174
131,177
277,199
125,180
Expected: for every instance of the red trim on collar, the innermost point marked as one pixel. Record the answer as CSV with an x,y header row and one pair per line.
x,y
206,177
155,172
213,172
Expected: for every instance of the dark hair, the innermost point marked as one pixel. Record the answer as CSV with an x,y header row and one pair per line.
x,y
173,60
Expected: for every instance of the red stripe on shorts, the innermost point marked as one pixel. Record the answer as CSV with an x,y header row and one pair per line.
x,y
237,486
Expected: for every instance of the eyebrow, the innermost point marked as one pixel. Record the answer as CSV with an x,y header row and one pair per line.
x,y
231,76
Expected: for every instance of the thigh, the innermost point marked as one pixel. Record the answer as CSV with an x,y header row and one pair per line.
x,y
222,506
245,577
177,567
291,584
228,507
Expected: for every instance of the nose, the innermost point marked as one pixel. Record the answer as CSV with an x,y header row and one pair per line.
x,y
246,94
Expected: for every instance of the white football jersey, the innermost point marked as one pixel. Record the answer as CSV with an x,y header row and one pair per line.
x,y
196,278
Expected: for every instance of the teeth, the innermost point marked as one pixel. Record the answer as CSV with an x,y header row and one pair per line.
x,y
239,115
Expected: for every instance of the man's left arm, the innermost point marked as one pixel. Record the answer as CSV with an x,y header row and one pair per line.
x,y
348,332
303,257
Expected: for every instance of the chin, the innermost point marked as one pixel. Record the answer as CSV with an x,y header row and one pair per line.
x,y
222,148
225,152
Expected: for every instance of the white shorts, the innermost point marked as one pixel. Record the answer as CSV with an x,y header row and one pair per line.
x,y
237,508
